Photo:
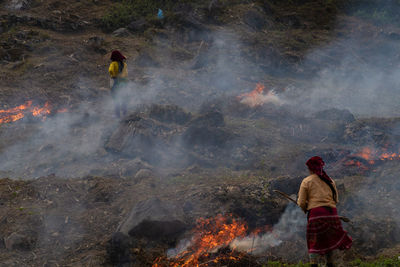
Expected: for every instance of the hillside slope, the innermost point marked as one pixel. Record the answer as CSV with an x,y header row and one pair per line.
x,y
226,99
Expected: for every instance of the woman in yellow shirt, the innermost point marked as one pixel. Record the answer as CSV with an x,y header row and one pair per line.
x,y
118,73
318,197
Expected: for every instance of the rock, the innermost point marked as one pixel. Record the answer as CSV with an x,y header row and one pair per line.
x,y
151,210
208,136
132,167
121,32
136,135
145,60
139,25
207,130
19,4
143,173
154,220
169,114
335,114
161,231
20,241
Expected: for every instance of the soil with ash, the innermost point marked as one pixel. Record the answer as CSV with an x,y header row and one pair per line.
x,y
106,221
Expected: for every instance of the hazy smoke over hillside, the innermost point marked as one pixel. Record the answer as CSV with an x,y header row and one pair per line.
x,y
365,82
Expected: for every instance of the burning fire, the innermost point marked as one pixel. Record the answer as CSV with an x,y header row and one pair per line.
x,y
209,236
19,112
257,97
370,157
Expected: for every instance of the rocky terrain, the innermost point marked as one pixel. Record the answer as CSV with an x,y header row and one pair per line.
x,y
227,100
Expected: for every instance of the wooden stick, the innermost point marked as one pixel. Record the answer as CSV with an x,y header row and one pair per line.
x,y
345,219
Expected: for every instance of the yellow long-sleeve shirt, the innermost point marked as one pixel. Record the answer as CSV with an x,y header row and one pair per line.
x,y
316,193
114,70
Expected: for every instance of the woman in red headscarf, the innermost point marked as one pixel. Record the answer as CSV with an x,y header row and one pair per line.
x,y
119,73
318,197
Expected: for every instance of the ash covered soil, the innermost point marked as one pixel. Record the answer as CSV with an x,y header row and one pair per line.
x,y
83,188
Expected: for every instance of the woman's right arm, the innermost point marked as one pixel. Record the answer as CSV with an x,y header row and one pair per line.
x,y
303,196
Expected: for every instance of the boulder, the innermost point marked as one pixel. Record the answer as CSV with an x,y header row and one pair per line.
x,y
136,135
166,231
169,114
204,135
207,129
121,32
19,4
131,168
149,211
153,221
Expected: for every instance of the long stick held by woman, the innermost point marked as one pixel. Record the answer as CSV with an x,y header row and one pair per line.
x,y
318,197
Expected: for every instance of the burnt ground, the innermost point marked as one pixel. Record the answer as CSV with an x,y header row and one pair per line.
x,y
188,148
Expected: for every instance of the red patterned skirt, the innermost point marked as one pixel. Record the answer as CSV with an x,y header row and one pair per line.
x,y
325,232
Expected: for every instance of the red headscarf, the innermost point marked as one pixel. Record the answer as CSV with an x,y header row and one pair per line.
x,y
117,56
316,164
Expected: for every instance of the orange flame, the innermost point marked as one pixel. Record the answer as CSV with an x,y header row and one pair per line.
x,y
209,236
371,156
63,110
367,154
45,110
258,97
19,112
254,97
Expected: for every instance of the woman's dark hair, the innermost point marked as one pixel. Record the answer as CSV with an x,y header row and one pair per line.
x,y
330,184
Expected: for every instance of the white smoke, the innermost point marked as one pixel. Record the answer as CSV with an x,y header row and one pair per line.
x,y
292,222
